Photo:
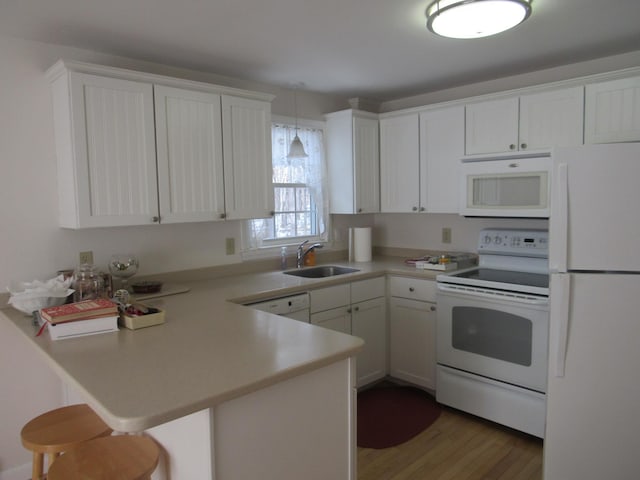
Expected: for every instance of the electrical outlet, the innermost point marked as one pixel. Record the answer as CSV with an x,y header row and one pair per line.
x,y
86,257
446,235
230,245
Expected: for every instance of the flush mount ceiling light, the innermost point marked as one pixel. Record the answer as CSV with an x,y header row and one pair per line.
x,y
475,18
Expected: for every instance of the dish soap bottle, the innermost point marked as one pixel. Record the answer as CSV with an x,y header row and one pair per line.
x,y
283,258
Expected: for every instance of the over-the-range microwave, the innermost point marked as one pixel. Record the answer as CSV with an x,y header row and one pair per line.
x,y
513,186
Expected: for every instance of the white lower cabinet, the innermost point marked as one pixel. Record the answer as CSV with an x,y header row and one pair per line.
x,y
412,331
358,308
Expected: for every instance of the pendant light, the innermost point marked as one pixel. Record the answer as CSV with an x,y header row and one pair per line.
x,y
296,149
475,18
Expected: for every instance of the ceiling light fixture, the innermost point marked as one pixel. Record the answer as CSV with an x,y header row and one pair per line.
x,y
475,18
296,149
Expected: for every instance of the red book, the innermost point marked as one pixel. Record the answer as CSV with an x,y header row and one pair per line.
x,y
84,310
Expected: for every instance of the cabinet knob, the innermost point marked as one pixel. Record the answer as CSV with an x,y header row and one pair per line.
x,y
415,209
411,289
523,146
433,308
223,215
512,146
357,309
422,209
272,213
155,219
359,210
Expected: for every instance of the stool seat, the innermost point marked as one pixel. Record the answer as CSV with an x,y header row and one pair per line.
x,y
60,430
119,457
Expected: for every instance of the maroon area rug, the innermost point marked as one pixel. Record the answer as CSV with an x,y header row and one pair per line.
x,y
389,416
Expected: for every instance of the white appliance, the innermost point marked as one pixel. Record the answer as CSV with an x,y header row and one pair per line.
x,y
294,306
492,331
593,426
506,186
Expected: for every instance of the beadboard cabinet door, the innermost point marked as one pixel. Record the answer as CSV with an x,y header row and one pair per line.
x,y
189,150
248,178
107,172
612,111
400,164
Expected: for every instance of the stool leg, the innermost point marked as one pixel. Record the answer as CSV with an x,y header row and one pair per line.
x,y
38,466
52,458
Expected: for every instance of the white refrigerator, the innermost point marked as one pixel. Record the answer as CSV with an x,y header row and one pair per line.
x,y
593,392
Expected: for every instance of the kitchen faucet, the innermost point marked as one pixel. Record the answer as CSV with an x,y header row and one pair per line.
x,y
303,253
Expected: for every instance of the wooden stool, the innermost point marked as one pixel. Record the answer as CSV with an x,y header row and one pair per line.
x,y
60,430
121,457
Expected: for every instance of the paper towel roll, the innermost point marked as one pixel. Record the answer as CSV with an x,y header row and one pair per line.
x,y
362,244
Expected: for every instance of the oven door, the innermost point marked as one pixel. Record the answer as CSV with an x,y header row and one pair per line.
x,y
499,335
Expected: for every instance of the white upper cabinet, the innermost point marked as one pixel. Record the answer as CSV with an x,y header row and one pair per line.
x,y
352,139
247,158
612,112
400,164
106,153
537,121
419,158
441,149
135,148
189,152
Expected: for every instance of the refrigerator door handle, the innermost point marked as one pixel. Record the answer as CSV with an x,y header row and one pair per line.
x,y
560,309
559,220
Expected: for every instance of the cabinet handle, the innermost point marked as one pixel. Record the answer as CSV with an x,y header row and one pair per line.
x,y
422,209
272,213
415,209
411,289
513,165
223,215
432,308
512,146
155,219
357,309
523,146
348,310
359,210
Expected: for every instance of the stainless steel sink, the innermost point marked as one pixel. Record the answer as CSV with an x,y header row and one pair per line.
x,y
321,271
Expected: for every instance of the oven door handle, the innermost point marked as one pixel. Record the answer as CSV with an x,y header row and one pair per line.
x,y
493,294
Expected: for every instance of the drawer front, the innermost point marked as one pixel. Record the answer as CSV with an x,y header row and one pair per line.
x,y
414,289
330,297
367,289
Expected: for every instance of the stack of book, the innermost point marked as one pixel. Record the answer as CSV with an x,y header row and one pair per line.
x,y
87,317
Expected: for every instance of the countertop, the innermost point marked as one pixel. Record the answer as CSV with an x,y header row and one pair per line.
x,y
209,350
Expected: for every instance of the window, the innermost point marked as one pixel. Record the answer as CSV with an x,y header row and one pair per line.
x,y
300,204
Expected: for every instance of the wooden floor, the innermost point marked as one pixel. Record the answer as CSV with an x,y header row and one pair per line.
x,y
457,447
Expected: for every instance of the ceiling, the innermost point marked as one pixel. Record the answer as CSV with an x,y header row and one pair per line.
x,y
376,49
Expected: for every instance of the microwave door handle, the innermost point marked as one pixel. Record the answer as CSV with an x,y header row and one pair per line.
x,y
559,220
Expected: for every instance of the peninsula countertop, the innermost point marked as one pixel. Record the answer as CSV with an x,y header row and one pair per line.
x,y
210,349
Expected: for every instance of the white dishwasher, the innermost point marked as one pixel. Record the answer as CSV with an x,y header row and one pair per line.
x,y
294,306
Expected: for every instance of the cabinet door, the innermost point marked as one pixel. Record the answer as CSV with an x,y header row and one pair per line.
x,y
551,119
412,341
248,179
189,146
338,319
366,158
613,111
114,154
329,297
491,126
441,150
399,164
368,321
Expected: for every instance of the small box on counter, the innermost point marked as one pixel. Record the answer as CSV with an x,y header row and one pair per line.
x,y
443,267
141,316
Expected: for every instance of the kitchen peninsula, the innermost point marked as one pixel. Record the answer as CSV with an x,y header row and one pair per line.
x,y
229,392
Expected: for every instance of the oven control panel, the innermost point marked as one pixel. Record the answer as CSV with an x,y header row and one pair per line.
x,y
527,243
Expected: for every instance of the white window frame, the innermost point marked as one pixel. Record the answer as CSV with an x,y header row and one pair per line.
x,y
272,248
